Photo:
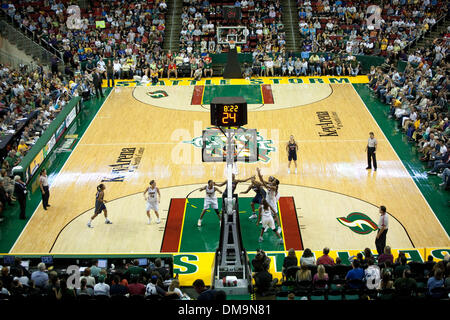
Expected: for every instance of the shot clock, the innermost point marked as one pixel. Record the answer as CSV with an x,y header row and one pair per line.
x,y
228,111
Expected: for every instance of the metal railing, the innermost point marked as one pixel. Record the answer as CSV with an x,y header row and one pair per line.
x,y
31,39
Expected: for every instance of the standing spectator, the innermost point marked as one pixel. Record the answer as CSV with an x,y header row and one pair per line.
x,y
325,258
40,277
110,73
383,225
20,190
43,184
95,270
134,270
101,288
97,81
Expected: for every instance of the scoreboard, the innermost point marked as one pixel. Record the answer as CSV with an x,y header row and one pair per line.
x,y
228,111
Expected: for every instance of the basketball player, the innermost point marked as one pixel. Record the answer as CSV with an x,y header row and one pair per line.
x,y
260,194
210,200
292,149
266,217
100,205
153,197
234,183
272,195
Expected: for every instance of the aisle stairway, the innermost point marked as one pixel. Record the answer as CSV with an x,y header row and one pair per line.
x,y
430,36
290,22
173,26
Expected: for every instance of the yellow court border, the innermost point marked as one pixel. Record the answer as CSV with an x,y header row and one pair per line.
x,y
217,81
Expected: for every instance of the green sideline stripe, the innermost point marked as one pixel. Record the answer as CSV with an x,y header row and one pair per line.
x,y
49,132
437,198
12,227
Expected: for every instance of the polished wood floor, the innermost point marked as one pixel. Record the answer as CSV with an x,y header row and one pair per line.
x,y
334,165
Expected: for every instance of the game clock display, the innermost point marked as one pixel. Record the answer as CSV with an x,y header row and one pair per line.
x,y
228,111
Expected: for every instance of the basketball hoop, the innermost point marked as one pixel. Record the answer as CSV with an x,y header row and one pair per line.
x,y
232,44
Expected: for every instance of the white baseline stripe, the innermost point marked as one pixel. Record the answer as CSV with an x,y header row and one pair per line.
x,y
420,192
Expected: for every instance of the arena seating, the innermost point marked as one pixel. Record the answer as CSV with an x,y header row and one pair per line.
x,y
340,26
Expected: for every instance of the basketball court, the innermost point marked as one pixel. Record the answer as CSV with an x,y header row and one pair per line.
x,y
154,132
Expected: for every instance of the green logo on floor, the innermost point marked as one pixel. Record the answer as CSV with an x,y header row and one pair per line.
x,y
157,94
359,223
219,141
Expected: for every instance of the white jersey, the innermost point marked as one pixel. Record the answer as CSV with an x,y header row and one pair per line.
x,y
272,198
152,196
267,219
210,198
211,192
265,213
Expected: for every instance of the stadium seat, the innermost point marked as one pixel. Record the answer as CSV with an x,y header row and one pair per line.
x,y
337,284
291,272
304,285
335,295
317,295
351,294
387,294
438,293
282,295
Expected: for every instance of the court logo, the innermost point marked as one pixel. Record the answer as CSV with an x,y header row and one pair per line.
x,y
329,124
359,223
216,144
158,94
126,164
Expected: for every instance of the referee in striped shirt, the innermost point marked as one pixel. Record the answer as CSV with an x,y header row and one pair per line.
x,y
383,225
371,149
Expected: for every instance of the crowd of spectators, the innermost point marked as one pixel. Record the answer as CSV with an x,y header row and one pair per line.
x,y
264,29
307,64
30,98
153,282
340,26
368,274
418,100
132,29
